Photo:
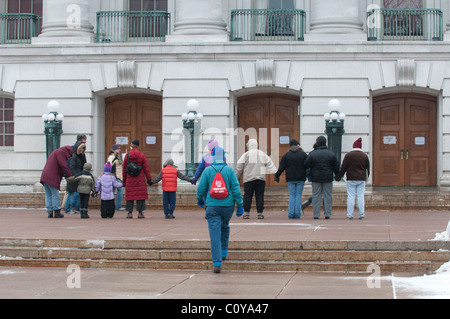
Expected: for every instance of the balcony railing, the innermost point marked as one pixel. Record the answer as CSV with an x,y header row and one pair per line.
x,y
405,24
132,26
18,28
267,25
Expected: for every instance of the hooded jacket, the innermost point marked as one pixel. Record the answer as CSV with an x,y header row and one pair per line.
x,y
254,163
169,175
293,162
85,180
76,163
322,162
105,186
56,167
234,190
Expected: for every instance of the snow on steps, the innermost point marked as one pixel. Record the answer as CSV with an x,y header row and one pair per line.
x,y
314,256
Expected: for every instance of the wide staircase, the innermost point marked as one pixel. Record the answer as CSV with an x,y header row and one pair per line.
x,y
302,256
376,198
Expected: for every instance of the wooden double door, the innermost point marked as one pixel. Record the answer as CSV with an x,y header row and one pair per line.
x,y
404,140
273,120
136,117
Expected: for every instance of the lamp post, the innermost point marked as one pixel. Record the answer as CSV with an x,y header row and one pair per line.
x,y
334,127
189,120
53,127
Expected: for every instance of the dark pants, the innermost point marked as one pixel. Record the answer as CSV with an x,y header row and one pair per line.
x,y
107,208
84,201
169,201
257,186
140,205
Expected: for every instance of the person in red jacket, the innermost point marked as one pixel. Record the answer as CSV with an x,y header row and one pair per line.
x,y
169,175
54,170
136,186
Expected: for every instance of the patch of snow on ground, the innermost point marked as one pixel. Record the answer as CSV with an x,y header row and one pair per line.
x,y
436,286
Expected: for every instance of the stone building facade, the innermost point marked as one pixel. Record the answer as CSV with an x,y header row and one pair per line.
x,y
125,69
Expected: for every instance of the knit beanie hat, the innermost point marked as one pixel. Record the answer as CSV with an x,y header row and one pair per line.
x,y
135,143
358,143
212,144
115,147
107,168
87,167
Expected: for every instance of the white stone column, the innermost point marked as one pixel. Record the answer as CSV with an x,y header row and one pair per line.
x,y
66,21
198,20
334,18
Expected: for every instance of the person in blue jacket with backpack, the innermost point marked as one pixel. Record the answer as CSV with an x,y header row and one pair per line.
x,y
219,207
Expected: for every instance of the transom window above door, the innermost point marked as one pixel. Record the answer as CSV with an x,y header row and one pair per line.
x,y
274,4
403,4
148,5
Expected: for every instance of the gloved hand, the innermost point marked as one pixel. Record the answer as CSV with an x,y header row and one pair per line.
x,y
276,179
194,180
149,182
239,211
201,203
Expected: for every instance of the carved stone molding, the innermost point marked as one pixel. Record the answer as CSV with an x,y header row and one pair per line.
x,y
265,70
126,74
406,72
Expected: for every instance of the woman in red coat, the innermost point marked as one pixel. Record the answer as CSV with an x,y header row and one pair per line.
x,y
136,187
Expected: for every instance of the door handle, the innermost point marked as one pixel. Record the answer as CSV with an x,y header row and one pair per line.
x,y
401,154
407,154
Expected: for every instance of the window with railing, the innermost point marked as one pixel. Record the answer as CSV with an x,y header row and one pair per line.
x,y
21,22
268,25
6,122
273,20
146,21
404,20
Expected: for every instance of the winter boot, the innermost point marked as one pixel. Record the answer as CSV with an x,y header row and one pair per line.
x,y
260,216
83,213
246,215
141,215
50,214
57,214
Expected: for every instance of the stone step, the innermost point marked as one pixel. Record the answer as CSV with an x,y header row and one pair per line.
x,y
340,256
274,199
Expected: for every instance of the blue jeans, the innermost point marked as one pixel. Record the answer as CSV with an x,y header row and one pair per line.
x,y
169,201
218,218
73,200
52,198
355,189
295,199
119,197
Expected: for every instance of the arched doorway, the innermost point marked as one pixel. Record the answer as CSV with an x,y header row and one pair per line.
x,y
404,140
272,119
139,116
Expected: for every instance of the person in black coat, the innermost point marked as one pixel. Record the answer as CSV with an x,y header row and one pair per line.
x,y
323,164
293,163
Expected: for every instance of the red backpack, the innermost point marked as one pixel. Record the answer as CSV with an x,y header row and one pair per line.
x,y
218,187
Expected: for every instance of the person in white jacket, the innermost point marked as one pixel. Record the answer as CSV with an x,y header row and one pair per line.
x,y
254,165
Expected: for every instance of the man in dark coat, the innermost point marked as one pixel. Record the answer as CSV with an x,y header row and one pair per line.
x,y
323,163
54,170
293,162
136,186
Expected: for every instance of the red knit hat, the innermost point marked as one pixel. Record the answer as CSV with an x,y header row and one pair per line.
x,y
358,143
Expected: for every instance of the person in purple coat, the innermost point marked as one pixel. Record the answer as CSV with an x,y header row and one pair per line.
x,y
105,185
54,170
